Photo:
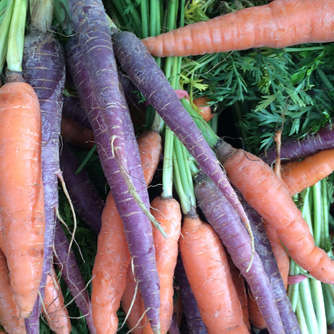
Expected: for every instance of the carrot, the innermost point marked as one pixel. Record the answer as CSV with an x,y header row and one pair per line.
x,y
22,195
278,24
204,108
55,310
167,211
299,175
207,269
76,134
113,257
9,314
267,194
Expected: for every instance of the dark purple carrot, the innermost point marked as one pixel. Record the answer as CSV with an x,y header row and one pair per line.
x,y
44,69
70,273
190,308
263,248
225,221
137,227
86,200
293,149
174,329
147,76
72,109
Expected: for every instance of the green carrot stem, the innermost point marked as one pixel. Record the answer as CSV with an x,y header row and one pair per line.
x,y
317,213
3,7
324,79
319,306
4,28
41,12
144,18
293,289
329,304
167,166
135,17
16,36
84,162
301,318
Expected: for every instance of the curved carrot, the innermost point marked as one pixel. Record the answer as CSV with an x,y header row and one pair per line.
x,y
167,211
113,257
9,313
207,269
76,134
267,194
299,175
278,24
55,309
22,195
204,109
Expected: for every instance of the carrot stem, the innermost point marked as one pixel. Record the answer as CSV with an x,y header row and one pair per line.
x,y
16,36
144,17
4,28
167,166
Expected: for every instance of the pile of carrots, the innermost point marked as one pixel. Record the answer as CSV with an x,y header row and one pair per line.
x,y
192,234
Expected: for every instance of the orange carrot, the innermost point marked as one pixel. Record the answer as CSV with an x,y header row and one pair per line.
x,y
278,24
209,276
112,260
9,313
55,310
299,175
204,108
167,212
22,195
255,316
76,134
267,194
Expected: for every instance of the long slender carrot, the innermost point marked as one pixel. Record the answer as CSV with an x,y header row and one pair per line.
x,y
22,196
299,175
55,310
278,24
113,257
167,211
207,269
9,313
267,194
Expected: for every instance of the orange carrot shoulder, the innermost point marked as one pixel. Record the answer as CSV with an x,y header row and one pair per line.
x,y
278,24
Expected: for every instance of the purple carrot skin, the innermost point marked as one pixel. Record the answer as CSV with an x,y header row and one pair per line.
x,y
86,200
137,227
263,248
44,69
147,76
72,109
190,308
293,149
225,221
174,329
70,273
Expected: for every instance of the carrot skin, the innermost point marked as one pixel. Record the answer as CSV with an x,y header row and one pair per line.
x,y
56,311
22,195
276,25
151,81
9,313
72,109
70,272
257,182
138,228
190,307
86,199
226,223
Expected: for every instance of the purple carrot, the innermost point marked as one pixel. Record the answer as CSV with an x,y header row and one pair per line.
x,y
44,69
263,248
70,273
72,109
190,308
225,221
174,329
147,76
137,227
86,200
293,149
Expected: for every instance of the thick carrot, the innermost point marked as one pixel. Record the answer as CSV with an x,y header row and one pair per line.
x,y
167,211
207,269
278,24
22,195
76,134
267,194
299,175
9,313
55,310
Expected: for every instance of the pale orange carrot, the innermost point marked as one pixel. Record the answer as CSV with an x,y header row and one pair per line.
x,y
204,109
